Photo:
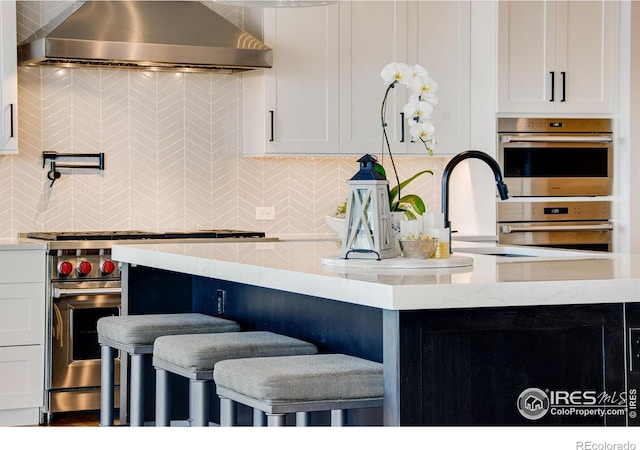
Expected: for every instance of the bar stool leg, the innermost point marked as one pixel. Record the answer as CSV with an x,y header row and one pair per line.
x,y
276,420
137,390
302,419
199,403
163,398
106,385
227,412
259,419
338,417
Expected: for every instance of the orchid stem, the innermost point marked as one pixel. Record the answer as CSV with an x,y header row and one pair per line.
x,y
383,112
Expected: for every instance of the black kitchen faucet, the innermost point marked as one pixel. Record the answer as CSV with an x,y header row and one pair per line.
x,y
446,174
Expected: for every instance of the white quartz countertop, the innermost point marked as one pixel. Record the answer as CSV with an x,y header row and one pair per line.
x,y
555,278
11,244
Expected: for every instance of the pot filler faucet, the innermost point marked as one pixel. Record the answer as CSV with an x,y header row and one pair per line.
x,y
446,174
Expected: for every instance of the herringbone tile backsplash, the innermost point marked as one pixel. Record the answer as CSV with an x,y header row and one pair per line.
x,y
172,154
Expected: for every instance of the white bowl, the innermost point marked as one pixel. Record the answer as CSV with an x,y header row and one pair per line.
x,y
335,223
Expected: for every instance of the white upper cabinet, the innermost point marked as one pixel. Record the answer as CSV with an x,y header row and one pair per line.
x,y
9,79
435,35
372,35
324,94
293,107
439,39
556,57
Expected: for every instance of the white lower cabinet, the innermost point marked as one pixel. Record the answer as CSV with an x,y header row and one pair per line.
x,y
21,314
22,369
22,336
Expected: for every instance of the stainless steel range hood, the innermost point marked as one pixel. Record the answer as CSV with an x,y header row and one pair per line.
x,y
150,35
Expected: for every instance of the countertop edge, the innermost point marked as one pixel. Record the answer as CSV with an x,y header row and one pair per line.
x,y
387,295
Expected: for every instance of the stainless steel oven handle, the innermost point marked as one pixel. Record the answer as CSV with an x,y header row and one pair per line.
x,y
506,229
550,138
57,292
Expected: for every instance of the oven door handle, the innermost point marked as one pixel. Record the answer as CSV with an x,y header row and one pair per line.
x,y
506,229
551,138
58,293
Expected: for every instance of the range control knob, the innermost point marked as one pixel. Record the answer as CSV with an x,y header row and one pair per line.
x,y
84,268
107,267
65,268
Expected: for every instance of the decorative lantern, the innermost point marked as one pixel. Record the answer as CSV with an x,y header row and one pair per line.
x,y
367,226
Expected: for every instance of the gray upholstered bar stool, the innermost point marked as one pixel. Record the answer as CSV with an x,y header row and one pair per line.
x,y
298,384
194,356
135,335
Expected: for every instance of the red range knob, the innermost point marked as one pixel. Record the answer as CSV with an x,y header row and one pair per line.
x,y
84,268
107,267
65,268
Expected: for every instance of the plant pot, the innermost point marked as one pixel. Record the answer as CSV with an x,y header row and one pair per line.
x,y
336,224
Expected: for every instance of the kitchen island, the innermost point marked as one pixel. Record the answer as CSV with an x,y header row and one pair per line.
x,y
465,345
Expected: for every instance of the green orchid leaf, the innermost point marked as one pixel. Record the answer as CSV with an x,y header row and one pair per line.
x,y
393,193
380,169
410,215
409,180
416,203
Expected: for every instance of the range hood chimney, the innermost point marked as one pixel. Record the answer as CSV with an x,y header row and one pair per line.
x,y
183,36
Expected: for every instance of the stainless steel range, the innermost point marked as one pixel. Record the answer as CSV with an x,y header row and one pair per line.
x,y
84,284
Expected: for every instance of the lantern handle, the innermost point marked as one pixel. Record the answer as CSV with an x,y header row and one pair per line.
x,y
361,250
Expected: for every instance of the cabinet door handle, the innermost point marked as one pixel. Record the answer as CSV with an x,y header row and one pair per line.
x,y
553,82
11,119
564,79
401,127
271,120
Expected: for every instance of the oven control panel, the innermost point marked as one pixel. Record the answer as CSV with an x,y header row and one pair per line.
x,y
83,265
553,211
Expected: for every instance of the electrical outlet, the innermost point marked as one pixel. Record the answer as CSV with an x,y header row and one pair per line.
x,y
221,297
265,213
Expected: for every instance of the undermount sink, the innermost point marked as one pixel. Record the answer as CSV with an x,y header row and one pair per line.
x,y
528,253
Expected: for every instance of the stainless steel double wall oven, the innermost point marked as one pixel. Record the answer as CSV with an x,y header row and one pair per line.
x,y
84,284
560,174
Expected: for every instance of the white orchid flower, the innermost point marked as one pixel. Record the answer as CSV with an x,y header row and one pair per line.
x,y
423,131
421,103
420,71
418,97
426,87
399,72
417,111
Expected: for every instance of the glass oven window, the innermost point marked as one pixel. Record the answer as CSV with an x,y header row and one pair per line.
x,y
566,162
85,337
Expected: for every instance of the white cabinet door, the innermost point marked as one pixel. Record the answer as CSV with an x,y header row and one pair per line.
x,y
585,54
556,56
22,266
21,377
372,35
435,35
298,113
526,56
22,314
439,39
9,79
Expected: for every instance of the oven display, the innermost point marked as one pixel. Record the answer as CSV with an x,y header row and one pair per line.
x,y
556,210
